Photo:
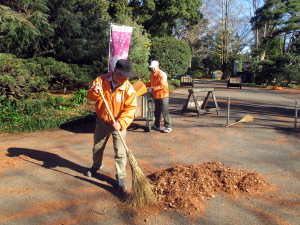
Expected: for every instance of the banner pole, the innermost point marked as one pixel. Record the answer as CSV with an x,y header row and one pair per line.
x,y
109,48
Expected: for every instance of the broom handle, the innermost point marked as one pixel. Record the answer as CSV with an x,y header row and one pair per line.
x,y
233,124
113,119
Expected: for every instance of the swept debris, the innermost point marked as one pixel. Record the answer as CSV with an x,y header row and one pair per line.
x,y
188,186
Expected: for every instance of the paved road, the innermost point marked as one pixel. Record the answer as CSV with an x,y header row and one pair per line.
x,y
43,182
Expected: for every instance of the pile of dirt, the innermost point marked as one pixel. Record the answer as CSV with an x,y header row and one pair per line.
x,y
188,186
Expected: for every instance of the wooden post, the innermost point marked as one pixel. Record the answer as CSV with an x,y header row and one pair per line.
x,y
228,110
296,114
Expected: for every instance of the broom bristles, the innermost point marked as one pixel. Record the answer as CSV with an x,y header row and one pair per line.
x,y
142,193
245,119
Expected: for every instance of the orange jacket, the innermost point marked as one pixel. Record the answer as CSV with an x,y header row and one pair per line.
x,y
122,102
159,84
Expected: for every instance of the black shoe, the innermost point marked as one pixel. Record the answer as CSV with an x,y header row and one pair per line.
x,y
155,128
121,184
92,172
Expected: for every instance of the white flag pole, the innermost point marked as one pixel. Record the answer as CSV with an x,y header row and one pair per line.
x,y
109,48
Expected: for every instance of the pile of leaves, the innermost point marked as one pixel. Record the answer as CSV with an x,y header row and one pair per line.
x,y
277,88
188,186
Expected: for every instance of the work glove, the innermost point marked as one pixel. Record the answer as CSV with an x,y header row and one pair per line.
x,y
97,88
150,89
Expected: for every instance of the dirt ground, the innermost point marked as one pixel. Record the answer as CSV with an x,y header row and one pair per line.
x,y
203,172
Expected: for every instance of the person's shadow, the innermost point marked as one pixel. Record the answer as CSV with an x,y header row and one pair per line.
x,y
51,161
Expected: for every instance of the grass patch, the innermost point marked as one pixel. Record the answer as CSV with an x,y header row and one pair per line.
x,y
293,86
263,85
252,84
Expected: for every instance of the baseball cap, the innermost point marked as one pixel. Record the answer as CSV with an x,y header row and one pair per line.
x,y
124,67
153,64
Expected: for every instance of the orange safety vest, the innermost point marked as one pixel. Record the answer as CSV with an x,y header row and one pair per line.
x,y
159,84
122,103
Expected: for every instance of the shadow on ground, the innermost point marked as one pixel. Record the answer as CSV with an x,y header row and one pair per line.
x,y
54,162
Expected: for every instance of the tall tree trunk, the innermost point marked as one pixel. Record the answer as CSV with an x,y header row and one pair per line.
x,y
265,34
225,40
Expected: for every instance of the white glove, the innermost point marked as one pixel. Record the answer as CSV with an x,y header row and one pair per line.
x,y
97,88
150,89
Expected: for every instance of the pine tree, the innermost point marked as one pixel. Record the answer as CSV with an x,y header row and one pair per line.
x,y
81,35
24,32
166,18
279,20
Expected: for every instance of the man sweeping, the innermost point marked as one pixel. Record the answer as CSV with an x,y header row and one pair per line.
x,y
121,99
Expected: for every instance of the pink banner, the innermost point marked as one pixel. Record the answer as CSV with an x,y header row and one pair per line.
x,y
120,42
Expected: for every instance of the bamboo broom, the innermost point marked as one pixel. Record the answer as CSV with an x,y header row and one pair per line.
x,y
142,190
245,119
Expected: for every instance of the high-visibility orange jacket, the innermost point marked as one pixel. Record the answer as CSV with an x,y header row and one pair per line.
x,y
122,103
159,84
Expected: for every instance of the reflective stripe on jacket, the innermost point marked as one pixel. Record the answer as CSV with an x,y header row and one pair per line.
x,y
159,84
122,102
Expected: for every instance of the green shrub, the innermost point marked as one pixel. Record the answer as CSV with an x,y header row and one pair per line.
x,y
80,97
174,55
56,72
171,87
18,78
175,83
44,112
293,86
198,74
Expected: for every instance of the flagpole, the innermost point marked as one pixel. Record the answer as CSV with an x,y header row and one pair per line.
x,y
109,47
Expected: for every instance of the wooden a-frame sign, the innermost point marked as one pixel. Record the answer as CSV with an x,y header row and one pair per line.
x,y
199,104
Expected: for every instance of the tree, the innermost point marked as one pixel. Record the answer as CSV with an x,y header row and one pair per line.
x,y
118,8
173,55
165,18
233,33
212,62
288,67
23,33
68,30
280,21
197,37
81,35
222,31
253,6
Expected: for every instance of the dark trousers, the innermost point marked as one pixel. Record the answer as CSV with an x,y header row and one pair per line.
x,y
162,109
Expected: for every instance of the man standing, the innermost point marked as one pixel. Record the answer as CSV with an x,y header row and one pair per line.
x,y
160,91
121,99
